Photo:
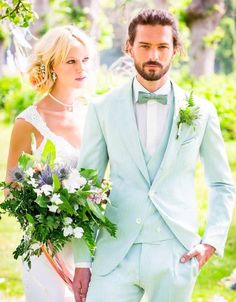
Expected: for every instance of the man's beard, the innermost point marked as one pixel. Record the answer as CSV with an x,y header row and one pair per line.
x,y
151,75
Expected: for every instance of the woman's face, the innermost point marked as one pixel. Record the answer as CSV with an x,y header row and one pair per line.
x,y
73,71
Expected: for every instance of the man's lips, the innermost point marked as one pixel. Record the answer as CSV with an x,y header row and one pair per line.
x,y
153,65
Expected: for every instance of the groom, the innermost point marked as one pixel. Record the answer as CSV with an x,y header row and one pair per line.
x,y
152,153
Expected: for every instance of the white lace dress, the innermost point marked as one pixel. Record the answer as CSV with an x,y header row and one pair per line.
x,y
41,282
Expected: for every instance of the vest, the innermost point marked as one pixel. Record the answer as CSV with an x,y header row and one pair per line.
x,y
154,228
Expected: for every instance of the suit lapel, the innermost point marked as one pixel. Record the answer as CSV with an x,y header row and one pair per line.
x,y
128,128
173,144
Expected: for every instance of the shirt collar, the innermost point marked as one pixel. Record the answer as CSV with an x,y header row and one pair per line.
x,y
165,89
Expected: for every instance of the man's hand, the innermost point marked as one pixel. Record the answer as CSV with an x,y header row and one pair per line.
x,y
80,283
201,251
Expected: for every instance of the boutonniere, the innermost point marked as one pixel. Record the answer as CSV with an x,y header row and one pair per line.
x,y
188,113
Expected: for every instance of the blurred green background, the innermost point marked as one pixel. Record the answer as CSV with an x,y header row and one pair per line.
x,y
208,67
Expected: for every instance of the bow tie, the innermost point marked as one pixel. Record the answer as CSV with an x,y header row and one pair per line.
x,y
144,97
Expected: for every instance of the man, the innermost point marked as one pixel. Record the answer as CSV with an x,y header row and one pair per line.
x,y
152,151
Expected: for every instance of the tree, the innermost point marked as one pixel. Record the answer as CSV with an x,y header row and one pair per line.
x,y
91,7
41,7
18,12
203,18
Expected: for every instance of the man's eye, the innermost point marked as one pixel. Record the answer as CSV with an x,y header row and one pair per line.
x,y
163,46
70,62
144,46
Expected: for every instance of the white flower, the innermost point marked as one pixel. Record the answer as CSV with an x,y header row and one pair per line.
x,y
26,237
38,192
67,221
78,232
53,208
76,207
67,231
46,189
74,181
29,172
33,183
56,199
35,246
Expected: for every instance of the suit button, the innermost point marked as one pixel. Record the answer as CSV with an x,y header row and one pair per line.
x,y
138,220
151,194
158,229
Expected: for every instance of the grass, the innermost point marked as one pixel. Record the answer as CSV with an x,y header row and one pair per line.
x,y
208,283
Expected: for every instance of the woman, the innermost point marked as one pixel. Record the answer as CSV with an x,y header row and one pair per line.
x,y
58,68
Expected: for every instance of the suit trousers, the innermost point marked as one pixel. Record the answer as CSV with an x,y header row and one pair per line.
x,y
150,272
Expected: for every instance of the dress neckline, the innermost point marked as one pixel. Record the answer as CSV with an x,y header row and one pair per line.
x,y
50,131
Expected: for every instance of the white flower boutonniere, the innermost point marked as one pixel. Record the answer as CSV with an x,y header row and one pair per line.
x,y
188,113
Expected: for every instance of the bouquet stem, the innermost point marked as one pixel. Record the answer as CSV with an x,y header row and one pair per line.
x,y
58,266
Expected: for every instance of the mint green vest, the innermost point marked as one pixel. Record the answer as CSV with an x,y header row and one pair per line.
x,y
154,228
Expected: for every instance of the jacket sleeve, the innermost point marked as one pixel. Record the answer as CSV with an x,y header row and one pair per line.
x,y
93,155
220,184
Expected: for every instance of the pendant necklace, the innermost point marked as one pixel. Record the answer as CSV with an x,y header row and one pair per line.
x,y
68,107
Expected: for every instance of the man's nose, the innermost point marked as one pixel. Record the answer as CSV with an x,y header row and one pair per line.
x,y
154,54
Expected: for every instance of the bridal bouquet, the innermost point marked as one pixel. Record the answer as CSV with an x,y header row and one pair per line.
x,y
54,204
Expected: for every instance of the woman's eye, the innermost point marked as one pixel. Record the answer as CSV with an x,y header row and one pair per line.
x,y
70,62
85,59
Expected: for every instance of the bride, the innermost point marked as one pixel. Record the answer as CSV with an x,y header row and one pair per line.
x,y
59,66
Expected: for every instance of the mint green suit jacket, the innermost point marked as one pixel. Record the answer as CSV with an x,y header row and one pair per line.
x,y
111,135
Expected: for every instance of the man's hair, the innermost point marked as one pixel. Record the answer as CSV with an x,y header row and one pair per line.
x,y
153,17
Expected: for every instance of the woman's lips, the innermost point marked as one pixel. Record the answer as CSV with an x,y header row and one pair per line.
x,y
80,78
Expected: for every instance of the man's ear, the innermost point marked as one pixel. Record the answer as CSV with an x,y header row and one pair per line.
x,y
129,49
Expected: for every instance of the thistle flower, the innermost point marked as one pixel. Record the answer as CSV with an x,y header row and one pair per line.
x,y
46,177
62,172
18,175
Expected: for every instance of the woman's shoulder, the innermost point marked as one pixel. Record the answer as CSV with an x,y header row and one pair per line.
x,y
26,122
26,113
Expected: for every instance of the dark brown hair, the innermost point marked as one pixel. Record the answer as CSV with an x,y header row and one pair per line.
x,y
153,17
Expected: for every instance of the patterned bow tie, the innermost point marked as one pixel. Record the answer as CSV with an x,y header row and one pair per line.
x,y
144,97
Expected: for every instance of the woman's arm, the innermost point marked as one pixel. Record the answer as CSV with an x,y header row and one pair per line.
x,y
20,142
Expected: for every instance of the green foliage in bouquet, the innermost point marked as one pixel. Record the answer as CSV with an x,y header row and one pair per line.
x,y
54,203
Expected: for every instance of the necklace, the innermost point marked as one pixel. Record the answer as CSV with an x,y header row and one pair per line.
x,y
69,107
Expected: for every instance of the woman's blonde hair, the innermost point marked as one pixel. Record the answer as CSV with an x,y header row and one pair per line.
x,y
50,50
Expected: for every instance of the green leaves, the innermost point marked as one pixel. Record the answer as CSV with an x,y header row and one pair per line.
x,y
19,12
54,203
188,113
96,210
49,153
56,183
25,160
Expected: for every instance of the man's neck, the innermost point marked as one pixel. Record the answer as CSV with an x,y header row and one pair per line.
x,y
152,86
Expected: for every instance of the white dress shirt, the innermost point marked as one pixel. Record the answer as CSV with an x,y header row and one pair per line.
x,y
151,117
